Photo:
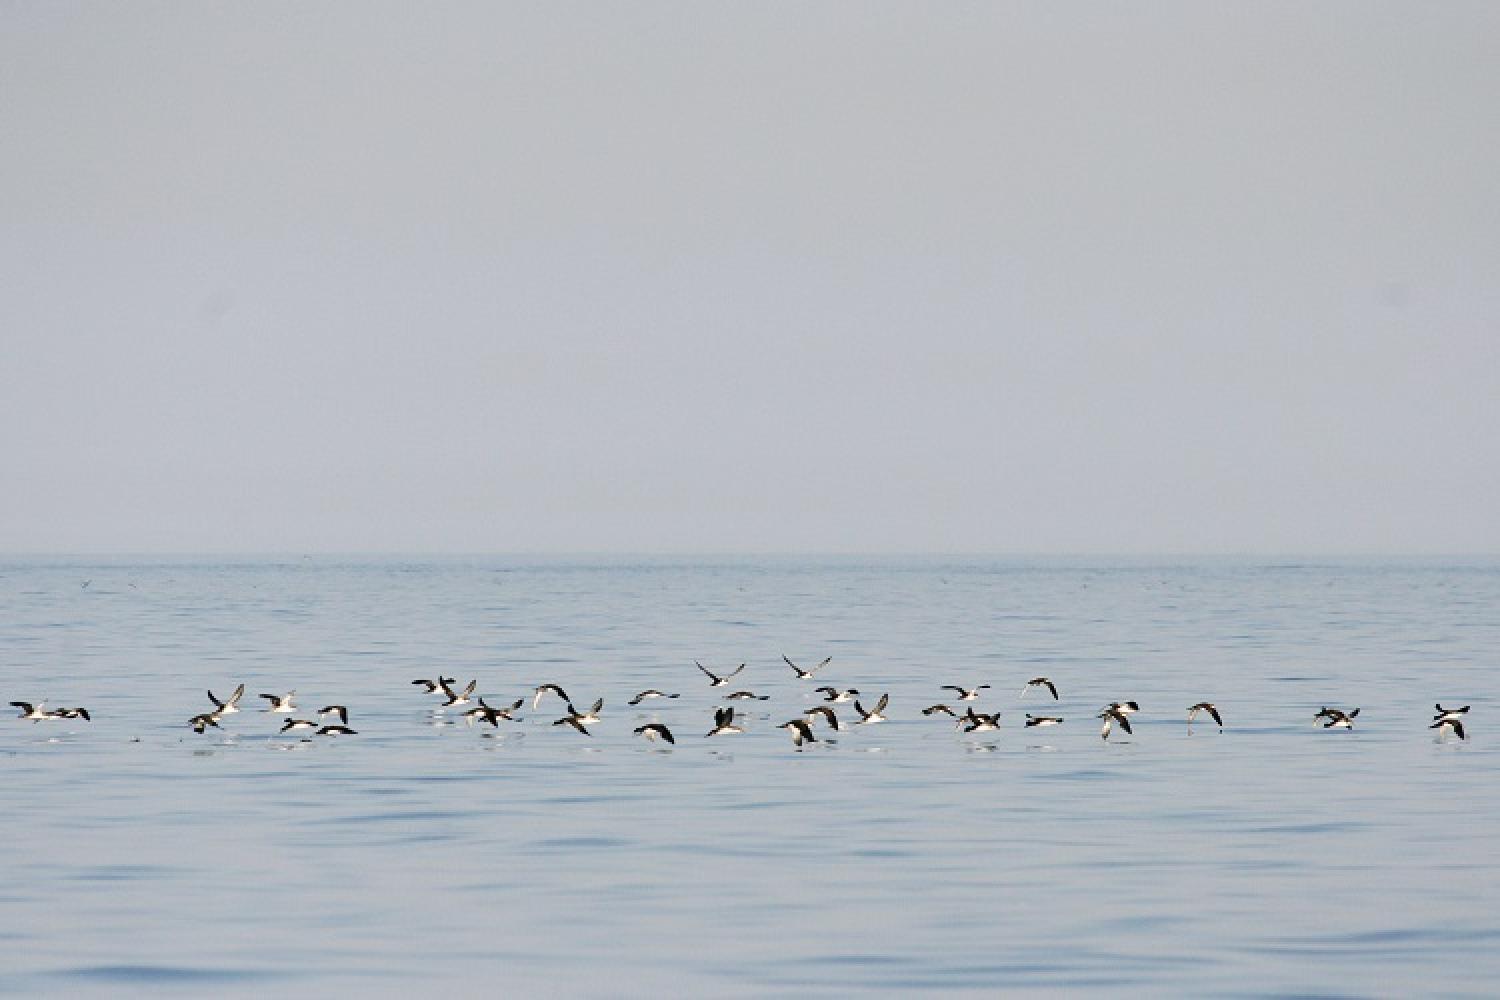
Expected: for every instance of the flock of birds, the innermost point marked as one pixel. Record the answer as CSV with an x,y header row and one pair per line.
x,y
800,728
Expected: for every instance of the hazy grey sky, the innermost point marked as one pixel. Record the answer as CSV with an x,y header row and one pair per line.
x,y
766,276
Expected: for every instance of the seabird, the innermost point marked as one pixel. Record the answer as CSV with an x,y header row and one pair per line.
x,y
1040,682
654,731
650,693
939,710
229,705
486,713
72,713
202,722
837,697
1452,723
587,718
747,696
339,710
805,675
1123,707
827,713
800,730
875,714
543,689
978,722
1042,720
458,697
1112,715
291,724
36,713
724,722
714,680
572,720
336,731
281,702
1205,706
965,694
1337,719
431,685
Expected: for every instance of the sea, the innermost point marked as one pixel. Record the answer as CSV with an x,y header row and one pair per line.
x,y
1272,857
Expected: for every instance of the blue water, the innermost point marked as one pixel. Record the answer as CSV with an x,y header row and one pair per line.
x,y
1272,858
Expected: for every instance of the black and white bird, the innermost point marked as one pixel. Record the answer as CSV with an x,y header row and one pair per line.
x,y
805,675
747,696
1037,682
229,705
650,693
1112,716
200,723
1033,721
1450,714
939,710
714,680
1205,706
1337,719
654,731
491,714
874,715
965,694
572,720
724,723
542,689
336,731
456,698
1123,707
429,686
828,714
72,713
978,722
339,710
291,725
801,731
591,716
835,696
282,703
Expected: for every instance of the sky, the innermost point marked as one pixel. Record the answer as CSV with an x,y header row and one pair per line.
x,y
756,277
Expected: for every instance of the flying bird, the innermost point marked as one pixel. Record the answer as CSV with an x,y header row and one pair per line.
x,y
714,680
805,675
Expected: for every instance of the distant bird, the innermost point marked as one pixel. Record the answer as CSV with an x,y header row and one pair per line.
x,y
805,675
587,718
336,731
1450,714
978,722
1339,720
572,720
875,714
490,714
965,694
747,696
548,688
200,723
800,730
229,705
1204,706
837,697
1452,723
724,723
456,698
654,731
36,713
281,702
1042,720
1040,682
939,710
72,713
293,724
339,710
650,693
1111,716
1123,707
714,680
431,685
827,713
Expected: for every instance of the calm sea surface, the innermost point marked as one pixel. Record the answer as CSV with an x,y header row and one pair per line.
x,y
1272,858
